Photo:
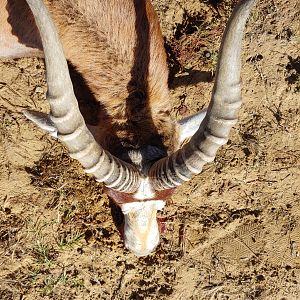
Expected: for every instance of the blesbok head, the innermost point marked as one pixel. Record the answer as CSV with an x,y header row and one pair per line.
x,y
140,183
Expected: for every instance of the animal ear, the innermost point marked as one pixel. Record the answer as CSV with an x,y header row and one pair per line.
x,y
189,125
42,120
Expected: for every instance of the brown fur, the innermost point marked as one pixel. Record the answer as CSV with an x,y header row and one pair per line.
x,y
116,52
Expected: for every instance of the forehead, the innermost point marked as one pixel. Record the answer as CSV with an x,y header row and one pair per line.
x,y
122,198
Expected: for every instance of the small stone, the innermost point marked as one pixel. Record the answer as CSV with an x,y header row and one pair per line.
x,y
38,89
207,54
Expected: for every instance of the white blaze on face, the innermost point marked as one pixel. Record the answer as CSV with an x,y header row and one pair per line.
x,y
141,233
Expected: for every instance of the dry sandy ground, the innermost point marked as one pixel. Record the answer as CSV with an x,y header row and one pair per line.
x,y
233,232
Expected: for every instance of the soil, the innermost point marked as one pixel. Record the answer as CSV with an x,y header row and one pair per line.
x,y
232,232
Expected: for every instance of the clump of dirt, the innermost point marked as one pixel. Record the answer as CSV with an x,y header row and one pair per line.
x,y
232,232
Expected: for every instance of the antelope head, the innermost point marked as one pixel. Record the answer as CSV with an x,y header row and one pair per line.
x,y
140,186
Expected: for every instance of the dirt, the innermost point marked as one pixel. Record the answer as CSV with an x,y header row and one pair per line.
x,y
232,232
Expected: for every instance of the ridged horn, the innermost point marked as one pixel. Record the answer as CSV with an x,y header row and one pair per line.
x,y
222,112
66,116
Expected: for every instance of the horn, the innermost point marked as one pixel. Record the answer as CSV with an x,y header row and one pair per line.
x,y
66,116
222,112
